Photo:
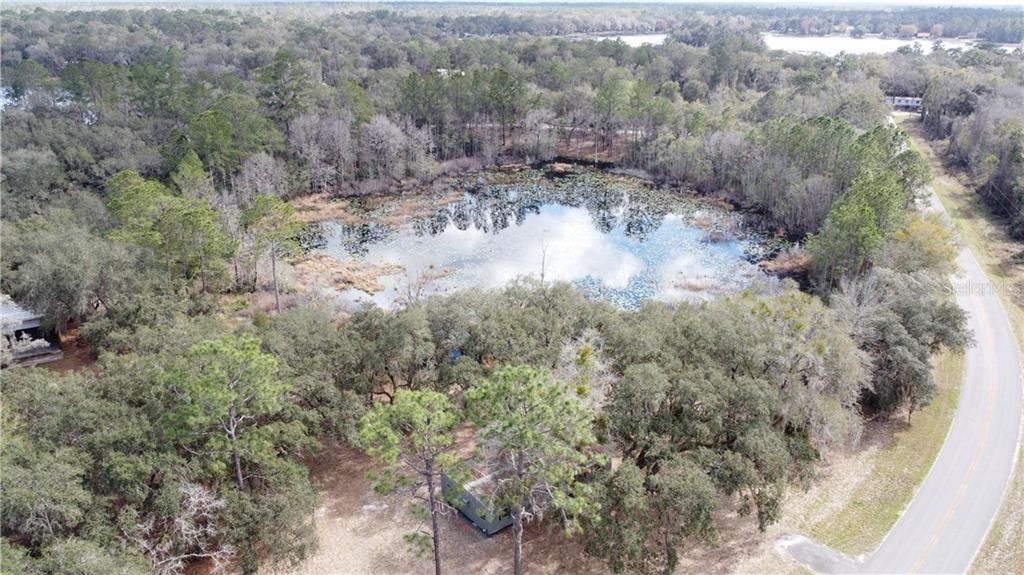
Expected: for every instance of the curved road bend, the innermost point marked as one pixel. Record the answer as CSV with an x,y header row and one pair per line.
x,y
946,523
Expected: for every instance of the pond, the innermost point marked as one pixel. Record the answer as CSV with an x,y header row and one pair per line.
x,y
612,237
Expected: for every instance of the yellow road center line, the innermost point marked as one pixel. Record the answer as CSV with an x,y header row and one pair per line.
x,y
941,527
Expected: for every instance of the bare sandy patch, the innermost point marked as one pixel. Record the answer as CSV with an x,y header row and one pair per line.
x,y
362,532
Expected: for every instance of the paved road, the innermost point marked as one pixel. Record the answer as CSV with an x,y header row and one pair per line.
x,y
946,522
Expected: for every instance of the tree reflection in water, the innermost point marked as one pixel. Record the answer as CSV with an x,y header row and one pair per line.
x,y
492,209
613,239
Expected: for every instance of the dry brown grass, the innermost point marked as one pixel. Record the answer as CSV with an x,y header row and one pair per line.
x,y
316,271
787,263
418,206
322,208
699,284
418,201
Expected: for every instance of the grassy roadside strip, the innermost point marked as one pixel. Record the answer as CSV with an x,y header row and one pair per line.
x,y
899,468
1003,551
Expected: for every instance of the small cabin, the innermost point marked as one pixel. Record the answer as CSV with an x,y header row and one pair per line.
x,y
904,103
20,324
470,499
447,73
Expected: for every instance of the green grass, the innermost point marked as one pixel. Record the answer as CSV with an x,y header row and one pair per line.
x,y
899,467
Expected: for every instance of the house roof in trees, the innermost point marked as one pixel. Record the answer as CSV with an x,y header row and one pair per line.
x,y
471,499
13,317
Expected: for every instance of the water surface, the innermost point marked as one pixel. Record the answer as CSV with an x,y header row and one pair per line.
x,y
612,240
827,45
833,45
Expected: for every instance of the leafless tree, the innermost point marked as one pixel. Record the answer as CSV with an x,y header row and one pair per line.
x,y
538,126
324,144
419,148
261,175
190,535
383,143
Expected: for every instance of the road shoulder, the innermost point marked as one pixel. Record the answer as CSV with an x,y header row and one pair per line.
x,y
999,256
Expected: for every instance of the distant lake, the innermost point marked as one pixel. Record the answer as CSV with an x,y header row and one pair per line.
x,y
833,45
635,40
827,45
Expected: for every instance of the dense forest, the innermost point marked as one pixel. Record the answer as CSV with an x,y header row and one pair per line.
x,y
149,162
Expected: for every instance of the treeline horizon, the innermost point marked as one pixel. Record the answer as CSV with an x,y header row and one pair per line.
x,y
993,23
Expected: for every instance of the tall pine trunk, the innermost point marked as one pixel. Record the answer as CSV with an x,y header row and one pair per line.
x,y
273,270
202,271
517,539
435,528
237,462
232,432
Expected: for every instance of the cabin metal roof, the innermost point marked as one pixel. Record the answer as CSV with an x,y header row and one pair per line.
x,y
15,317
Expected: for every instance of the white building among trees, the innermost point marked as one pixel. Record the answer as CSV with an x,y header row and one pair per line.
x,y
23,338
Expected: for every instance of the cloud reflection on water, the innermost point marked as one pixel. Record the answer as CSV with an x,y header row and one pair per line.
x,y
612,245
